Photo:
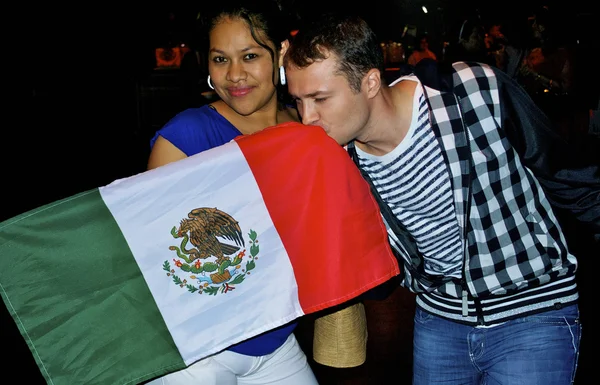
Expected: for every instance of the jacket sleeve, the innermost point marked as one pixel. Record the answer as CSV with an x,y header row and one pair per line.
x,y
568,172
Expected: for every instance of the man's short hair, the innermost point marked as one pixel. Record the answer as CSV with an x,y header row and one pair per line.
x,y
348,37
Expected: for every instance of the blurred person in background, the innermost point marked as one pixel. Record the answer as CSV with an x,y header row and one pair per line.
x,y
421,52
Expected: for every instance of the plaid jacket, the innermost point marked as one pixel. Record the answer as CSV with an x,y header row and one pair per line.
x,y
515,260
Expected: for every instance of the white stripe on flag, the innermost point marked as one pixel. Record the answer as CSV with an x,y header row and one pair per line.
x,y
148,206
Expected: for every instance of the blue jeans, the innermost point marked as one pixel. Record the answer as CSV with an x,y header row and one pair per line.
x,y
540,349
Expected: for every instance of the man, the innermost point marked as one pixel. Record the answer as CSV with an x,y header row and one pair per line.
x,y
460,165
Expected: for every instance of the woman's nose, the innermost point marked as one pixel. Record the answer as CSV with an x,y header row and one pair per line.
x,y
236,72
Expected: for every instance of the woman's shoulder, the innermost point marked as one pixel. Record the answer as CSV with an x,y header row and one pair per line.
x,y
197,129
194,115
185,123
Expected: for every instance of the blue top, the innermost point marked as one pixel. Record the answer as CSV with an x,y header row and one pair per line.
x,y
195,130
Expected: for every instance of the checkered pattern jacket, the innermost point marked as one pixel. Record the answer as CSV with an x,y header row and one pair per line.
x,y
515,260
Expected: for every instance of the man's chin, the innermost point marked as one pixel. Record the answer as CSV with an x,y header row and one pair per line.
x,y
341,142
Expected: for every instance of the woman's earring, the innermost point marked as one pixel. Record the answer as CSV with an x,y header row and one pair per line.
x,y
209,84
282,75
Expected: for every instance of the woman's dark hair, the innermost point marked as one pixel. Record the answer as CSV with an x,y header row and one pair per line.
x,y
268,23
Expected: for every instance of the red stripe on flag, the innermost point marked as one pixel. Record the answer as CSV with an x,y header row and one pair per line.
x,y
324,213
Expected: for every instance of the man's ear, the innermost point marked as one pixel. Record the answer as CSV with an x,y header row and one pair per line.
x,y
284,47
373,82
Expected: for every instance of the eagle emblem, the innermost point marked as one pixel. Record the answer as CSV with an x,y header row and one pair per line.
x,y
204,226
217,248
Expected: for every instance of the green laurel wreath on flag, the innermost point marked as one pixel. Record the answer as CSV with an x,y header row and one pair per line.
x,y
222,277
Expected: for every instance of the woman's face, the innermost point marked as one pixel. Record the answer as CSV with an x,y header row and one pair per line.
x,y
241,71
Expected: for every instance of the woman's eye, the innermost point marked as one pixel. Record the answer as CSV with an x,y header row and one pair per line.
x,y
319,100
250,56
219,59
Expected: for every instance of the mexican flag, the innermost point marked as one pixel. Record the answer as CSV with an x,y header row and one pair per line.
x,y
147,275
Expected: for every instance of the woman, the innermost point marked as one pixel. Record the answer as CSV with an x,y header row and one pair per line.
x,y
246,51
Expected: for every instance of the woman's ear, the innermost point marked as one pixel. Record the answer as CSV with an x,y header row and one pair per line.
x,y
284,47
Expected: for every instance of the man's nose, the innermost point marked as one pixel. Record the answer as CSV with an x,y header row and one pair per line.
x,y
309,116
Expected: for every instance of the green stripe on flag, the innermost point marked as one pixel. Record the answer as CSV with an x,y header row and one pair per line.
x,y
99,323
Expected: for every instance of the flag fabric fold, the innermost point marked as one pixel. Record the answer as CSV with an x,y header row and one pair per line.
x,y
147,275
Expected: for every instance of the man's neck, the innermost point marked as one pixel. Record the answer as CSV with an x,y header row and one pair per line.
x,y
389,120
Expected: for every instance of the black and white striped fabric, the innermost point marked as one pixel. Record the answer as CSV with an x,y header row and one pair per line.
x,y
515,261
413,180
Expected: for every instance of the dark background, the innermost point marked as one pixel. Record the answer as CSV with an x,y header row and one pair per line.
x,y
80,108
75,116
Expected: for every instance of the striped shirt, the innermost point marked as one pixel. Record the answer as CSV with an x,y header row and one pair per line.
x,y
413,180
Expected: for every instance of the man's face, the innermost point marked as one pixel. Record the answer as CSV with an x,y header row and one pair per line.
x,y
324,98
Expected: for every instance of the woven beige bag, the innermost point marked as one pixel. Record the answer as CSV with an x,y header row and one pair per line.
x,y
340,338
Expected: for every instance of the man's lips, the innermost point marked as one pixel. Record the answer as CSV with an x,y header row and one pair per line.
x,y
239,91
